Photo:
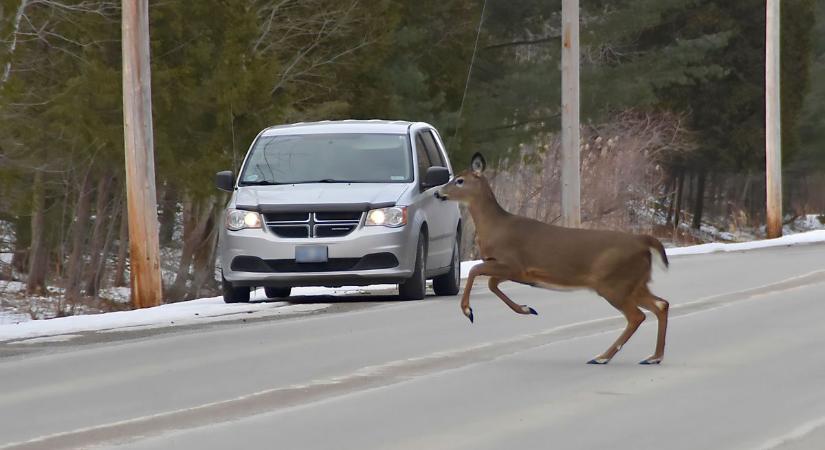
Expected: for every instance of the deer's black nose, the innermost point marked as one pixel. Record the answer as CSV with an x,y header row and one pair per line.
x,y
439,196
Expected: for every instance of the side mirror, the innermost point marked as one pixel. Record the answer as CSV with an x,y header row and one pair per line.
x,y
225,180
436,176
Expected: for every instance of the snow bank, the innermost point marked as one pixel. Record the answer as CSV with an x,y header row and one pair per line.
x,y
174,314
198,311
809,237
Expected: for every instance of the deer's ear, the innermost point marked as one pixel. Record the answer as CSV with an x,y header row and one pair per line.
x,y
478,164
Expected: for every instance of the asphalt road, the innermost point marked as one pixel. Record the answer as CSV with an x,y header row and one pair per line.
x,y
744,369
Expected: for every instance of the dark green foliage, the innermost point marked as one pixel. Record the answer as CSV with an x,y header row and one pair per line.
x,y
222,71
702,57
812,116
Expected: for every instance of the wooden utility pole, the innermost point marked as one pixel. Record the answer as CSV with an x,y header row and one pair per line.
x,y
140,160
773,124
570,137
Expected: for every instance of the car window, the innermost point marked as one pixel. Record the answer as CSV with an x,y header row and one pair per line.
x,y
329,158
423,158
432,149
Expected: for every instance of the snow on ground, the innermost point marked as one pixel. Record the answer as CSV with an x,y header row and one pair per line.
x,y
202,310
792,239
191,312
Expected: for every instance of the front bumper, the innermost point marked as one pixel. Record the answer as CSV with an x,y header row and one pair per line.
x,y
366,256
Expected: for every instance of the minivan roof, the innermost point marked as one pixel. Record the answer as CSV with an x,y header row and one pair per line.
x,y
340,126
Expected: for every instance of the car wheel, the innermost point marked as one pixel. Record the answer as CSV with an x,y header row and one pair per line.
x,y
233,294
277,292
416,286
448,284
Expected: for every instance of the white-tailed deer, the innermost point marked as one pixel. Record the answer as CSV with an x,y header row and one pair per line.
x,y
616,265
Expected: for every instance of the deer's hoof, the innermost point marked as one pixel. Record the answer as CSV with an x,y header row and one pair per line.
x,y
599,361
532,311
469,313
651,361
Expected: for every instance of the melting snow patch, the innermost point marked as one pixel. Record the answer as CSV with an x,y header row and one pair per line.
x,y
810,237
40,340
183,313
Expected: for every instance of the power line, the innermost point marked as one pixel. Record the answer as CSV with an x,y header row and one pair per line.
x,y
470,70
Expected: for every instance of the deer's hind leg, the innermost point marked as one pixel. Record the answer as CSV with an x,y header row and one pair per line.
x,y
659,307
520,309
623,302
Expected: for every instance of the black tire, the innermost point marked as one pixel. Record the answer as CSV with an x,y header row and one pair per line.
x,y
233,294
415,288
448,284
277,292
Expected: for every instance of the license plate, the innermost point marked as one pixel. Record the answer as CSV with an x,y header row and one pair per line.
x,y
311,254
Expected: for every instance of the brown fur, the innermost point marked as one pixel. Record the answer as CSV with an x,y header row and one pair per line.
x,y
614,264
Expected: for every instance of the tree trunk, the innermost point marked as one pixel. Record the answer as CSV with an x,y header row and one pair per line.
x,y
671,196
204,261
680,188
22,244
195,221
79,232
745,190
98,241
122,245
700,200
100,273
38,259
168,215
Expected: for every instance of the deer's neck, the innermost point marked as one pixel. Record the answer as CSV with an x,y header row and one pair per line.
x,y
486,212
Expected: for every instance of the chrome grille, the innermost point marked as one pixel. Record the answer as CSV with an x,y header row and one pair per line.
x,y
313,224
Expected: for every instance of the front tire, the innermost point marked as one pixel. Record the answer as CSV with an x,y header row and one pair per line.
x,y
448,284
277,292
416,286
233,294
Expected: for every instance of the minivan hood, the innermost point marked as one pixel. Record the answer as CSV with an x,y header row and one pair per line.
x,y
316,196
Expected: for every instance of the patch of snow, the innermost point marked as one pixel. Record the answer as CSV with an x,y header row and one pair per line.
x,y
791,239
6,258
183,313
11,287
40,340
204,310
810,222
119,294
13,317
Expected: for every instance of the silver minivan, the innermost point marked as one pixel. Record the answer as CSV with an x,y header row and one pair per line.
x,y
340,203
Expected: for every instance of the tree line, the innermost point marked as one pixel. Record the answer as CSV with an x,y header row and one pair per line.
x,y
223,70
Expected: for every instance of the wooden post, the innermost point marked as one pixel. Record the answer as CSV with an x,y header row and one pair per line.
x,y
140,163
570,137
773,124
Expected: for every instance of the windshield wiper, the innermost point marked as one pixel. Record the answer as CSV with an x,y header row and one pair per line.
x,y
323,180
259,183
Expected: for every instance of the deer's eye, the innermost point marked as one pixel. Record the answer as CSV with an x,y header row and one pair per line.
x,y
459,182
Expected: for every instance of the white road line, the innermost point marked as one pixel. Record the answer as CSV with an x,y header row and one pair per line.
x,y
795,434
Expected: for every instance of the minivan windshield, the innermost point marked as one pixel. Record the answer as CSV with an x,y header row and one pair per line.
x,y
328,158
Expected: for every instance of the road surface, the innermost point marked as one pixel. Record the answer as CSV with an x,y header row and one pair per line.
x,y
744,369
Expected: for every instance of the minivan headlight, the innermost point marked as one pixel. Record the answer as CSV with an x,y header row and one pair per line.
x,y
237,219
395,216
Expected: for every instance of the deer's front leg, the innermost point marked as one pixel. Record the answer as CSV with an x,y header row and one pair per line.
x,y
520,309
490,268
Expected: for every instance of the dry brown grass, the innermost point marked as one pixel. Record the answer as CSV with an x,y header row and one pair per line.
x,y
620,174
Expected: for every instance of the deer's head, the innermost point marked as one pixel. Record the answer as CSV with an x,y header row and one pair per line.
x,y
469,185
